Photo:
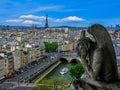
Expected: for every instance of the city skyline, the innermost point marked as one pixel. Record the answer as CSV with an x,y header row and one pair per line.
x,y
60,13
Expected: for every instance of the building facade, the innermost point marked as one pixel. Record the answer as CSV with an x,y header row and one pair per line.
x,y
9,64
16,55
2,68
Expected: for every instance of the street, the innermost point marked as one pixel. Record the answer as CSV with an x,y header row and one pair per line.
x,y
16,83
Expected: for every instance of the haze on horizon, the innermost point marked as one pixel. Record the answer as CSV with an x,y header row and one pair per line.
x,y
60,13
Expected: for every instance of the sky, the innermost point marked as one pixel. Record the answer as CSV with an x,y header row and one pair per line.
x,y
60,12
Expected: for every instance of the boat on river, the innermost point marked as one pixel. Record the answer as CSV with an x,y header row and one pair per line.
x,y
64,70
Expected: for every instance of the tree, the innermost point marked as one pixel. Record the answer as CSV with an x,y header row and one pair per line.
x,y
77,71
50,47
53,84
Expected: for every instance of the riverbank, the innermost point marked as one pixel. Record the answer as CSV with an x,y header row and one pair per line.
x,y
54,80
45,73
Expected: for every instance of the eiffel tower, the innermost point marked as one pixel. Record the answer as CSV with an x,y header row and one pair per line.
x,y
46,23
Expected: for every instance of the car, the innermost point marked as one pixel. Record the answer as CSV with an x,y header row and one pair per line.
x,y
21,79
52,57
25,79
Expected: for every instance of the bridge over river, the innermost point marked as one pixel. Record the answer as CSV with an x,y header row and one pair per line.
x,y
69,56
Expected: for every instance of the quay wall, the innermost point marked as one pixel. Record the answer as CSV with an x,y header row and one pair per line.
x,y
46,72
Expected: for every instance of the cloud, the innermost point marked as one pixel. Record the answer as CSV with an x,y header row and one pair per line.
x,y
70,10
32,17
43,8
14,20
70,19
31,22
23,21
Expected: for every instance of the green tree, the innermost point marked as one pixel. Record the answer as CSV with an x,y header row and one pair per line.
x,y
21,42
46,46
50,47
77,71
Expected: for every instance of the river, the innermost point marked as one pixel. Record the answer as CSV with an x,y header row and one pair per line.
x,y
56,72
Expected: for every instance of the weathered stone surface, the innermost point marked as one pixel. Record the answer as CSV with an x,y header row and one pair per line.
x,y
101,66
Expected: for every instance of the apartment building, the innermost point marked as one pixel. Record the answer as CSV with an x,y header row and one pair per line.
x,y
2,68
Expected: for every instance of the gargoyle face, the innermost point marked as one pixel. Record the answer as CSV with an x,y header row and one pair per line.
x,y
81,49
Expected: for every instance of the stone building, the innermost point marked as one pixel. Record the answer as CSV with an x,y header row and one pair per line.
x,y
42,51
9,64
11,46
66,47
38,52
16,55
24,58
2,68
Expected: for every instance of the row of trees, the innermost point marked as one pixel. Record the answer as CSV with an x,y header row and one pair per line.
x,y
53,84
51,46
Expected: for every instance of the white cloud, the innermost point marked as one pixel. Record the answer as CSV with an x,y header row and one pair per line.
x,y
31,22
32,17
28,16
14,20
43,8
69,19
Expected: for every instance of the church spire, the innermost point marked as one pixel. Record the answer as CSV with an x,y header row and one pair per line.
x,y
46,23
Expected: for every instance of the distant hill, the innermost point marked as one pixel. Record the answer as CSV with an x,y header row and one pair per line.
x,y
67,27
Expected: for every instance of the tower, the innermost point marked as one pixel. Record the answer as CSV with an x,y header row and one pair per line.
x,y
46,23
33,27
